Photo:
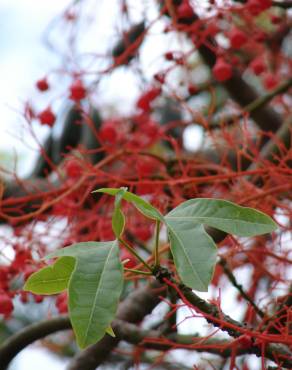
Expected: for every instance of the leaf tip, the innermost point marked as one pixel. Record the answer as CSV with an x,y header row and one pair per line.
x,y
100,190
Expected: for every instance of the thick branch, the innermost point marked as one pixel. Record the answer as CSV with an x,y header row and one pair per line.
x,y
28,335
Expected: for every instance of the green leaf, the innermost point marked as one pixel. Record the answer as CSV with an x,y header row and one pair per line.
x,y
110,332
222,215
144,207
118,219
194,253
52,279
94,288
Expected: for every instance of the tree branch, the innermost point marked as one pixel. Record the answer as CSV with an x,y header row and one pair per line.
x,y
278,353
238,286
17,342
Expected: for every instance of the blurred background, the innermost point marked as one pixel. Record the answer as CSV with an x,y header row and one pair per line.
x,y
27,54
24,58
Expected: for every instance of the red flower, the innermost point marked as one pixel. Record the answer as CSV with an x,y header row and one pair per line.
x,y
42,85
270,81
77,91
108,132
169,55
61,302
6,304
237,38
73,168
144,102
257,6
47,117
22,257
258,66
222,71
185,10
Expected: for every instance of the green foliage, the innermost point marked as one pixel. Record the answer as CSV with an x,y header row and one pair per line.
x,y
193,250
194,253
222,215
144,207
118,219
93,272
52,279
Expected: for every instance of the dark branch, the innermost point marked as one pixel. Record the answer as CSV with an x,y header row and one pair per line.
x,y
28,335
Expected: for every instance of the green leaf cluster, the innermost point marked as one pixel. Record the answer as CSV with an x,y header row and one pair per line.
x,y
93,273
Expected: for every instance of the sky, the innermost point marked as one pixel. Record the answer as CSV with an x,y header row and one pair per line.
x,y
23,60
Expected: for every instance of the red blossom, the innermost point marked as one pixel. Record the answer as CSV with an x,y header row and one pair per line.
x,y
6,305
62,303
222,71
47,117
77,91
270,81
237,38
257,6
185,10
144,102
108,132
42,85
73,168
258,66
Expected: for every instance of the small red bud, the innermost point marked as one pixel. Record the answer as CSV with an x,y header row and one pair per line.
x,y
169,55
260,36
258,66
47,117
73,168
222,71
108,132
270,81
77,91
185,11
255,7
160,77
275,19
6,304
192,89
42,85
237,38
144,102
